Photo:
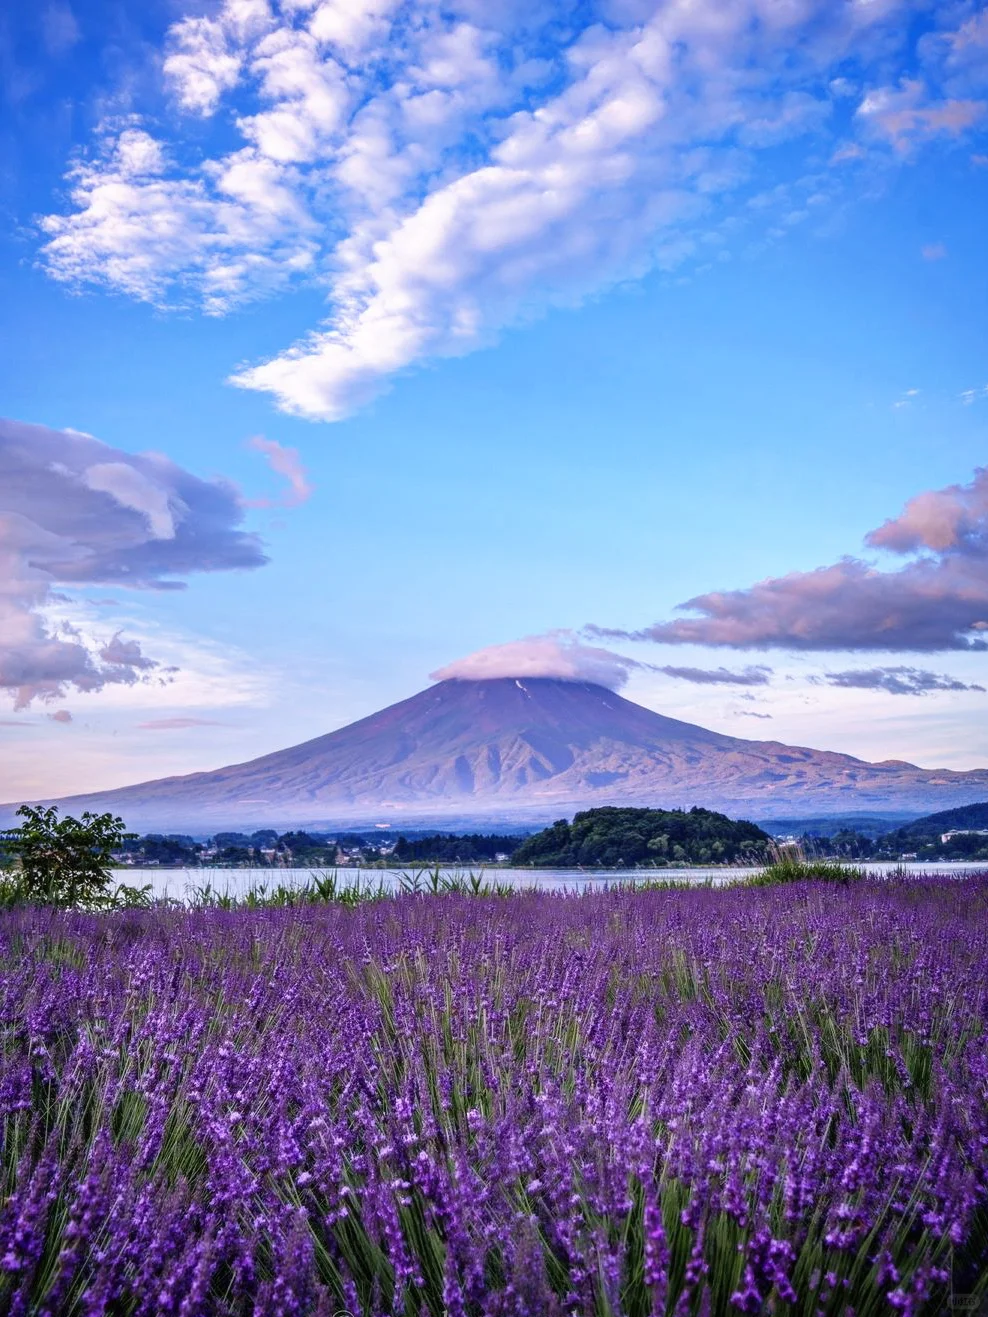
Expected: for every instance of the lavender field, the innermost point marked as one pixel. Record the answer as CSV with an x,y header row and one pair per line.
x,y
701,1101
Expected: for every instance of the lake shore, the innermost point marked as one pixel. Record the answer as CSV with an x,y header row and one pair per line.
x,y
181,884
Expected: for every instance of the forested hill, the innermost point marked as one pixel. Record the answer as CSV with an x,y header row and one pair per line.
x,y
614,838
933,825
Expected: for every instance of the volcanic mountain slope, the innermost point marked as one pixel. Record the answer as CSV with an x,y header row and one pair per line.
x,y
531,748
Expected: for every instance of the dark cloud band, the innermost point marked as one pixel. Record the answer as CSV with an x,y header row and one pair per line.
x,y
897,681
758,675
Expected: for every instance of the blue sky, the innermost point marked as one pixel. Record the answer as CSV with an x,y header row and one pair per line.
x,y
569,314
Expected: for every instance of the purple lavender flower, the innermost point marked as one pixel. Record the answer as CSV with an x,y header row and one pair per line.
x,y
631,1103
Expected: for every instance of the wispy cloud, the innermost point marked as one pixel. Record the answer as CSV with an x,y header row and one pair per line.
x,y
974,395
287,463
447,171
177,724
937,601
907,399
75,512
59,29
934,251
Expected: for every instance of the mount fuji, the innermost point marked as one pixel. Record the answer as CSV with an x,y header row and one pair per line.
x,y
525,749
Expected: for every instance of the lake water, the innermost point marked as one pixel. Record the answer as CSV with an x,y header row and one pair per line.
x,y
179,884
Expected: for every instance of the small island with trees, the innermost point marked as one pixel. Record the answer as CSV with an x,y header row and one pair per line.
x,y
615,838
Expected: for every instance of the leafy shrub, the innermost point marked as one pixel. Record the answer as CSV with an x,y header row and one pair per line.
x,y
65,862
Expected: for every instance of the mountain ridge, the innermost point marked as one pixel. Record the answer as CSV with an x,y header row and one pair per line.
x,y
526,748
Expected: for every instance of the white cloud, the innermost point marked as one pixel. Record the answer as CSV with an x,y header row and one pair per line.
x,y
308,94
446,171
137,154
351,26
233,232
205,55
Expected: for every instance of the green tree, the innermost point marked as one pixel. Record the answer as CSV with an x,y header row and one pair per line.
x,y
65,861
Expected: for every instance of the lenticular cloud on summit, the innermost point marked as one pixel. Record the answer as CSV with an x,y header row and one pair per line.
x,y
558,655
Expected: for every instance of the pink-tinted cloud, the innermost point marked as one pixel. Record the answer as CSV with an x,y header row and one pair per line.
x,y
904,116
936,602
177,724
284,462
61,716
955,518
970,41
933,251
